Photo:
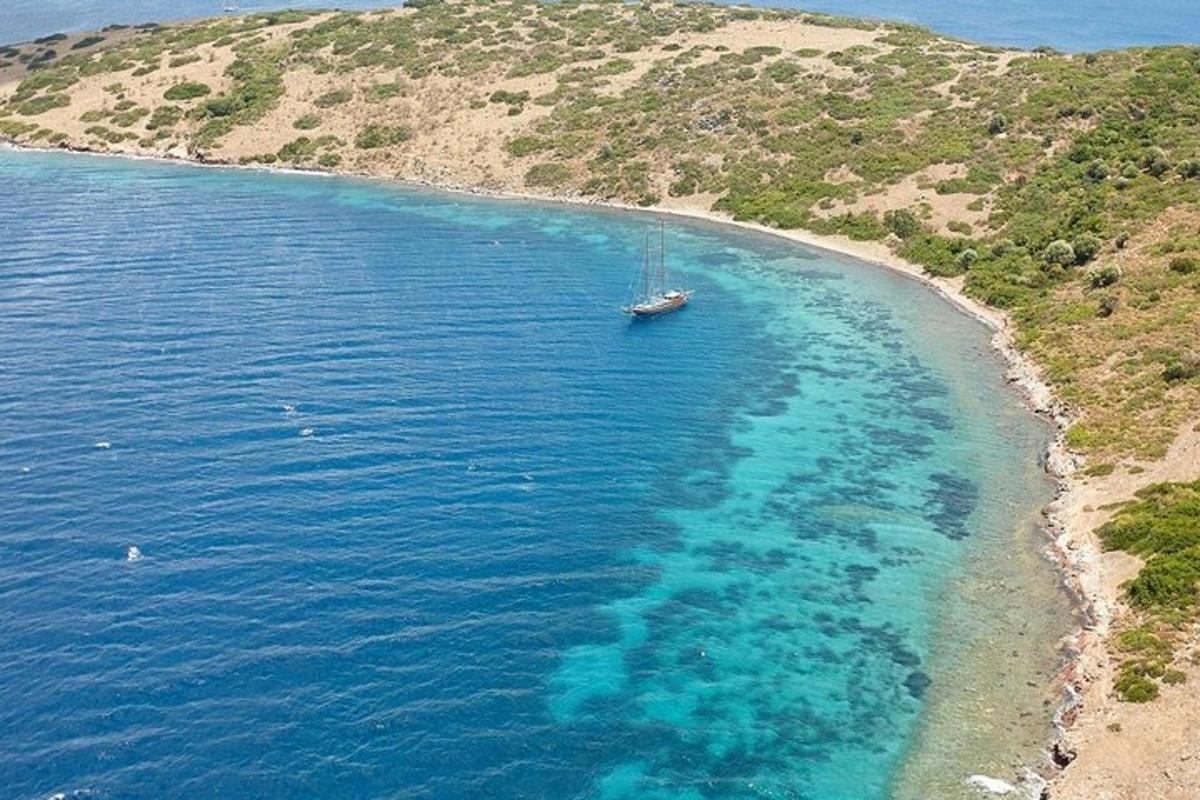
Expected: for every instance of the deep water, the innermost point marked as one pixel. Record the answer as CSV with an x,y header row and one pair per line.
x,y
1073,25
421,515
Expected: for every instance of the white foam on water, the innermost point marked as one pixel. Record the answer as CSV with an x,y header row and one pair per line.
x,y
103,445
307,431
991,785
289,409
134,553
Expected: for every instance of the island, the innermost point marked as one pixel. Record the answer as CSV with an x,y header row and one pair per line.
x,y
1056,196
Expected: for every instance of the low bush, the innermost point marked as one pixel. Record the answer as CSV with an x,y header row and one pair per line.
x,y
1106,275
1189,169
1184,265
188,90
183,61
902,222
1134,688
382,91
87,41
1086,247
525,145
1183,368
306,122
1059,253
375,136
550,174
298,149
42,104
333,98
1174,677
1169,580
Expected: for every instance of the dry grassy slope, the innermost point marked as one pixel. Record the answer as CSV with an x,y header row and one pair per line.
x,y
458,135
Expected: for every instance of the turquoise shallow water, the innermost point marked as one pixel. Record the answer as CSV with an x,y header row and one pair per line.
x,y
422,516
1073,25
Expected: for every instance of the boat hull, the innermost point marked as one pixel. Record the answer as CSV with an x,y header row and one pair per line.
x,y
664,306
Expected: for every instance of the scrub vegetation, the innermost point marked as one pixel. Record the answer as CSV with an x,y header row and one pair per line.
x,y
1062,188
1162,527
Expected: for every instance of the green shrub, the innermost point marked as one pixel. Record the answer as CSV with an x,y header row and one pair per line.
x,y
307,122
1184,265
976,181
1163,528
863,227
509,97
1165,518
1080,437
329,160
382,91
298,149
374,136
10,127
188,90
1155,162
997,125
40,105
1188,169
902,222
1106,275
183,61
783,71
525,145
1184,367
550,174
1086,246
1134,688
1059,253
333,98
1174,677
1002,247
1168,580
87,41
1098,170
966,259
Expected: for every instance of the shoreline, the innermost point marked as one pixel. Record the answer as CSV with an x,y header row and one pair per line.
x,y
1069,545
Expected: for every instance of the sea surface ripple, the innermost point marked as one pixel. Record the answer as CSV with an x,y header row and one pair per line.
x,y
417,514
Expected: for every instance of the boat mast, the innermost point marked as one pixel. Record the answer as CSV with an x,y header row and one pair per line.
x,y
646,267
662,255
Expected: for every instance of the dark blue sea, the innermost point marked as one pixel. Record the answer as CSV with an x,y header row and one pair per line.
x,y
1072,25
418,514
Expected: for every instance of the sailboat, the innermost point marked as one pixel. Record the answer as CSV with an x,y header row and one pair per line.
x,y
654,297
